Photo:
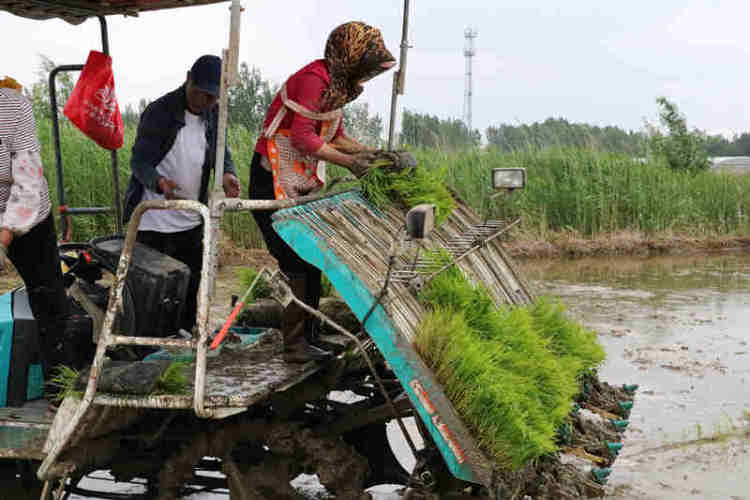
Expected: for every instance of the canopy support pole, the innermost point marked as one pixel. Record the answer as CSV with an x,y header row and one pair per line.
x,y
399,77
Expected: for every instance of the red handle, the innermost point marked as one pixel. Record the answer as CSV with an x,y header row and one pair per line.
x,y
225,328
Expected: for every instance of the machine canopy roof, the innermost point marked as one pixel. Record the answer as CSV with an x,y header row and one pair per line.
x,y
77,11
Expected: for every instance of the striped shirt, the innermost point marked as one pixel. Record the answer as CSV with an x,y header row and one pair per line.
x,y
24,194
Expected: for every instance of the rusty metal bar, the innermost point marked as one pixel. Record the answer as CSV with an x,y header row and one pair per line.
x,y
208,274
229,78
162,402
114,306
22,454
152,341
238,204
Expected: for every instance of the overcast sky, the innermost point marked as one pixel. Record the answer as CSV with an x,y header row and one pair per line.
x,y
587,61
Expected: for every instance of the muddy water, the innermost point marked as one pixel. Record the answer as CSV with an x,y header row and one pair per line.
x,y
680,328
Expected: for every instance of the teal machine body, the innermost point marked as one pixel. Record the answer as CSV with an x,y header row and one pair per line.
x,y
21,376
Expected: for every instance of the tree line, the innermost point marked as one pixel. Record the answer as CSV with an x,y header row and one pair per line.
x,y
554,132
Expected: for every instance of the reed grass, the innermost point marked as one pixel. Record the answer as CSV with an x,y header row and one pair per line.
x,y
594,193
579,190
511,373
262,289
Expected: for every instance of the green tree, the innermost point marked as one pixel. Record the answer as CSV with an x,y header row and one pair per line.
x,y
682,148
38,93
556,132
423,130
250,99
359,125
130,116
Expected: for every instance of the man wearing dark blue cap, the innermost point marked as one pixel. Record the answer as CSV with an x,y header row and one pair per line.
x,y
173,156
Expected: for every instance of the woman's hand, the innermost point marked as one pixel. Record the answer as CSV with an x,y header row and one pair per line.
x,y
348,145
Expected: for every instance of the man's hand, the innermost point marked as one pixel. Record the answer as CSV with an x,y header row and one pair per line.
x,y
167,187
231,185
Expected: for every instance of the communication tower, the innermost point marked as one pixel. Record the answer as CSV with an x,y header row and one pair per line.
x,y
469,34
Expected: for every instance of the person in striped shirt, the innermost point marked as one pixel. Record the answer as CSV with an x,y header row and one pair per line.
x,y
27,229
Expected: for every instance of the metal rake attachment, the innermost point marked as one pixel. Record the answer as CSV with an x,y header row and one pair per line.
x,y
476,235
426,266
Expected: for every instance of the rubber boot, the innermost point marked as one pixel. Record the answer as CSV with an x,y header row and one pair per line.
x,y
65,344
294,321
312,298
53,356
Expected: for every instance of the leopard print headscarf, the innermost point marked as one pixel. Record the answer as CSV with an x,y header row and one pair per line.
x,y
10,83
354,52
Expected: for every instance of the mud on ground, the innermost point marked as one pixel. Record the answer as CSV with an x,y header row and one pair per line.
x,y
566,245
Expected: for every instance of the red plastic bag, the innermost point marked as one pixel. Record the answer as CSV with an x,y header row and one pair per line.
x,y
92,106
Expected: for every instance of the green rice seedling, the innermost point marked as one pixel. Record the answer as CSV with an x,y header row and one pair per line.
x,y
410,187
262,288
326,287
375,187
65,380
500,404
566,337
173,380
511,372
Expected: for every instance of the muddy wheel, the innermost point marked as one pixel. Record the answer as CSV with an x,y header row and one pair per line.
x,y
18,480
372,443
265,480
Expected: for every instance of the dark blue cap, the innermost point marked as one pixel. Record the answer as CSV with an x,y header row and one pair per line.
x,y
206,74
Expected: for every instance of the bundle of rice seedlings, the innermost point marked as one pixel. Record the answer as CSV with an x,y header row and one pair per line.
x,y
173,380
65,380
567,338
508,372
409,187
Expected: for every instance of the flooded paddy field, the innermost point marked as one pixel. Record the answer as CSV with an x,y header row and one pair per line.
x,y
680,328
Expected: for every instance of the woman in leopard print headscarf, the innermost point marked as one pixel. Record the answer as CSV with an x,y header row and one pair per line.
x,y
302,127
355,53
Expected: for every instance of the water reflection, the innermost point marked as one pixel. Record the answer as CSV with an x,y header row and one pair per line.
x,y
678,327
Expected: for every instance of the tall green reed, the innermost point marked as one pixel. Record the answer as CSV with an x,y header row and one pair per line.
x,y
569,189
594,193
